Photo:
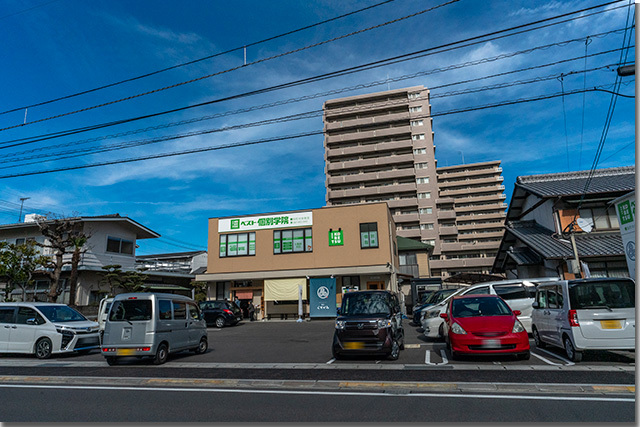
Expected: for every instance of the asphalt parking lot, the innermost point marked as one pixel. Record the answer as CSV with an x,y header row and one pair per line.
x,y
309,342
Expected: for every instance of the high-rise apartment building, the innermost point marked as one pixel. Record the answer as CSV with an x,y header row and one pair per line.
x,y
471,213
379,147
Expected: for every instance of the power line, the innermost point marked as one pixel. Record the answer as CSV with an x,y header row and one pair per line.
x,y
260,61
24,141
274,139
152,73
400,58
27,10
304,115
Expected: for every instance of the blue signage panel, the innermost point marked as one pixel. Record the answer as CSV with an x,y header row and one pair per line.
x,y
322,297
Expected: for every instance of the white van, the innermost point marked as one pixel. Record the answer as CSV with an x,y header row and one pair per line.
x,y
44,329
519,294
103,311
154,325
585,314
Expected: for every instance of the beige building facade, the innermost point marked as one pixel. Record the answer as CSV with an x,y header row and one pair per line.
x,y
264,258
380,147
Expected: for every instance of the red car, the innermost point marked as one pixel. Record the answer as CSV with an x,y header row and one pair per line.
x,y
484,324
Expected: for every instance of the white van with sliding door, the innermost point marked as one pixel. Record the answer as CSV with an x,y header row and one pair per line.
x,y
585,314
152,325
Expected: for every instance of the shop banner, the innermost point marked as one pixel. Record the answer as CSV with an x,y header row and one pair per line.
x,y
285,220
626,208
322,297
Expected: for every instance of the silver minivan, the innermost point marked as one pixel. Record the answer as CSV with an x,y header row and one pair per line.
x,y
585,314
154,325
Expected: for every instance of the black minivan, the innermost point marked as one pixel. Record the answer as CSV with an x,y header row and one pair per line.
x,y
220,313
369,323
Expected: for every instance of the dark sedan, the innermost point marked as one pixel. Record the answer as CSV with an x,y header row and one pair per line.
x,y
220,313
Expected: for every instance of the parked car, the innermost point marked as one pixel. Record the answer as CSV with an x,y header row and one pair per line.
x,y
369,322
44,329
519,294
153,325
220,313
432,299
586,314
484,324
103,312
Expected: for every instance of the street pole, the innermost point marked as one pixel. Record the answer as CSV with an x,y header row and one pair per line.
x,y
22,199
575,249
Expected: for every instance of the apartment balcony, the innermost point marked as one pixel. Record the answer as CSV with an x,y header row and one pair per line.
x,y
481,236
475,182
478,208
447,230
406,218
383,117
444,200
369,191
446,214
471,190
363,163
482,217
380,133
469,173
478,199
331,109
368,148
371,176
403,203
491,246
479,225
464,262
409,234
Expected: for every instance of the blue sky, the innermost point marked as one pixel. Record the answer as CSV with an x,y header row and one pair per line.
x,y
52,49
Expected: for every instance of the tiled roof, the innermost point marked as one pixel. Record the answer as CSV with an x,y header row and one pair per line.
x,y
610,180
548,245
524,256
406,244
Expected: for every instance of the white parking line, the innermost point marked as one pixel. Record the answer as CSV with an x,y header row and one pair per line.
x,y
569,363
331,361
545,360
427,358
444,357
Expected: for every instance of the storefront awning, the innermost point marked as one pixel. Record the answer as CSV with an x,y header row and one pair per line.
x,y
284,289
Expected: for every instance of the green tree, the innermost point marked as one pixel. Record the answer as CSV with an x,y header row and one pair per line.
x,y
133,281
112,277
201,290
18,262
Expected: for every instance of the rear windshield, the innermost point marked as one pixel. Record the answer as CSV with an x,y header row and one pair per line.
x,y
472,307
602,294
365,304
60,313
130,309
440,295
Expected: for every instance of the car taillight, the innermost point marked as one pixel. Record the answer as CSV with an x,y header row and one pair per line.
x,y
573,318
226,310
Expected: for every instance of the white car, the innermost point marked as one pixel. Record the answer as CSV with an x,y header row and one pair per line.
x,y
44,329
519,294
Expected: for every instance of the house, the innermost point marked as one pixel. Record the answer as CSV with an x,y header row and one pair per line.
x,y
112,241
172,272
547,211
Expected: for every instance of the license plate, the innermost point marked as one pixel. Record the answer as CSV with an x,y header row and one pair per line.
x,y
125,352
490,343
354,345
611,324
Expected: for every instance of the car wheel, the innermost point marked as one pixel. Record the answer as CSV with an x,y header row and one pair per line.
x,y
536,338
572,353
161,354
335,354
524,356
219,322
43,348
441,330
202,346
111,360
395,350
454,354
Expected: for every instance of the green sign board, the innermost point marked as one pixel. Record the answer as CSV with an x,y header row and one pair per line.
x,y
335,238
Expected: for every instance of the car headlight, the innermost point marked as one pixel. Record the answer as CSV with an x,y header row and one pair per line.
x,y
517,327
65,331
382,323
457,329
340,324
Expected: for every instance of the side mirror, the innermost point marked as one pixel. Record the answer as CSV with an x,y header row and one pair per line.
x,y
535,304
32,321
444,316
338,310
517,312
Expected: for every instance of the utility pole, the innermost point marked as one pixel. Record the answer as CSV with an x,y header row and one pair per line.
x,y
22,199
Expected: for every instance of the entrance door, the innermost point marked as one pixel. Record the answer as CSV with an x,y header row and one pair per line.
x,y
372,286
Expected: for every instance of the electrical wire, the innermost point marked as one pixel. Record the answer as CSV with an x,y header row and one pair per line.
x,y
173,67
393,60
274,139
